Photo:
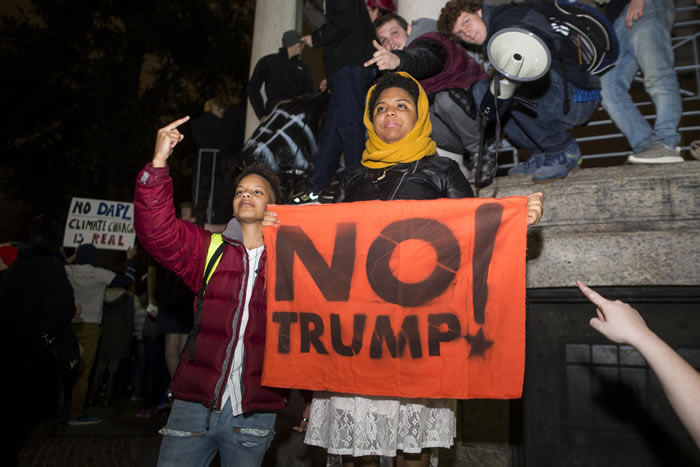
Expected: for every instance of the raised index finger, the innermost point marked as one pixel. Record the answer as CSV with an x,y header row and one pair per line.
x,y
591,294
372,60
171,126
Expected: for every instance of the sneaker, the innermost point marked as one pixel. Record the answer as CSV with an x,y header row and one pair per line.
x,y
528,167
557,166
695,149
306,197
656,153
85,419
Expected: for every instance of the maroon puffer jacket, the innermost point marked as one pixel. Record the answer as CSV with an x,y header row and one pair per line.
x,y
182,247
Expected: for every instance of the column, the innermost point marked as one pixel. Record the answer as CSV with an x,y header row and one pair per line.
x,y
272,18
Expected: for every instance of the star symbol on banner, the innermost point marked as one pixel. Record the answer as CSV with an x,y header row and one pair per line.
x,y
478,344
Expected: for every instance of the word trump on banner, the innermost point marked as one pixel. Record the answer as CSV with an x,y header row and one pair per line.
x,y
106,224
398,298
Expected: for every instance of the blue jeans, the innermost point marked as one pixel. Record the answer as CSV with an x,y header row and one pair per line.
x,y
544,129
645,46
344,132
241,440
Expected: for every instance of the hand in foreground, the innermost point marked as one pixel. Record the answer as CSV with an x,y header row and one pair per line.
x,y
166,140
385,59
324,82
131,252
270,219
304,419
307,40
616,320
621,323
534,208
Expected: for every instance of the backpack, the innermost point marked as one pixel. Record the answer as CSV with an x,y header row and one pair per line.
x,y
588,31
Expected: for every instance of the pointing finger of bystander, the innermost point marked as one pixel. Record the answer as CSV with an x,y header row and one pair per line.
x,y
597,299
384,58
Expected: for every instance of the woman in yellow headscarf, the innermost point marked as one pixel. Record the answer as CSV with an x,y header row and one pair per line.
x,y
399,162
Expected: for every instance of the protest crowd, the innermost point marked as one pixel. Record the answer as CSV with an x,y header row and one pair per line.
x,y
179,323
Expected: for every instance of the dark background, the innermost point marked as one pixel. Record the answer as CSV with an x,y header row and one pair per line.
x,y
86,84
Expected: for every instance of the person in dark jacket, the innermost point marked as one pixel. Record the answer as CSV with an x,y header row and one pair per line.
x,y
566,96
283,74
444,69
399,162
89,283
346,38
208,127
219,402
39,304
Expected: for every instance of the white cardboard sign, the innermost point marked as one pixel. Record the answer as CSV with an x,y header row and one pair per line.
x,y
108,225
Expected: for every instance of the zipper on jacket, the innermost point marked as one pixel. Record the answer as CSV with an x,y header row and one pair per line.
x,y
243,353
206,428
241,302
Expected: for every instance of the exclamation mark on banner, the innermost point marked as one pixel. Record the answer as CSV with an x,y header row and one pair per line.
x,y
487,220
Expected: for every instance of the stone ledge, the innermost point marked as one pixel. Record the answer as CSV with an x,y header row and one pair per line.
x,y
627,195
617,226
614,258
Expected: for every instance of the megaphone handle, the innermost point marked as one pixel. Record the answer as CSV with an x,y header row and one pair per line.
x,y
525,101
488,104
482,149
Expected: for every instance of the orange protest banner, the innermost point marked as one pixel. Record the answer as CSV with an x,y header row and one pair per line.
x,y
398,298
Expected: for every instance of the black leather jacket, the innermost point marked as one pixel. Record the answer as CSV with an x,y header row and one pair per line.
x,y
431,177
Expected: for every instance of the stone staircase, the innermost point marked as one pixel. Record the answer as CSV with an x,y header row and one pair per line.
x,y
601,142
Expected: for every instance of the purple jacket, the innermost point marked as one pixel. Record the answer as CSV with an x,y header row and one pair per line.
x,y
182,247
439,63
459,71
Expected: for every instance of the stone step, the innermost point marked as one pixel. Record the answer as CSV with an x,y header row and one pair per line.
x,y
624,225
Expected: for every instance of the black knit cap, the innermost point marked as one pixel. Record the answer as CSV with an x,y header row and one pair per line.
x,y
290,38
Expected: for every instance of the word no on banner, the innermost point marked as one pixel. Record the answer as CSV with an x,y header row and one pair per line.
x,y
398,298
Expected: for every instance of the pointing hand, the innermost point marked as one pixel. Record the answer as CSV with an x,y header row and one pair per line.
x,y
166,140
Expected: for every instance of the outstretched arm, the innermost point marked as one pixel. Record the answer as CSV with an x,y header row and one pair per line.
x,y
424,60
178,245
621,323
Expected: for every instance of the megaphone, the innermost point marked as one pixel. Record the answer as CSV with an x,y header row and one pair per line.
x,y
517,55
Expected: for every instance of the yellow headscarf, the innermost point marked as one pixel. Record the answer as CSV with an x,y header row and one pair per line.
x,y
415,145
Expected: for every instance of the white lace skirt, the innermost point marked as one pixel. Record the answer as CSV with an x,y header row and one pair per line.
x,y
348,424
